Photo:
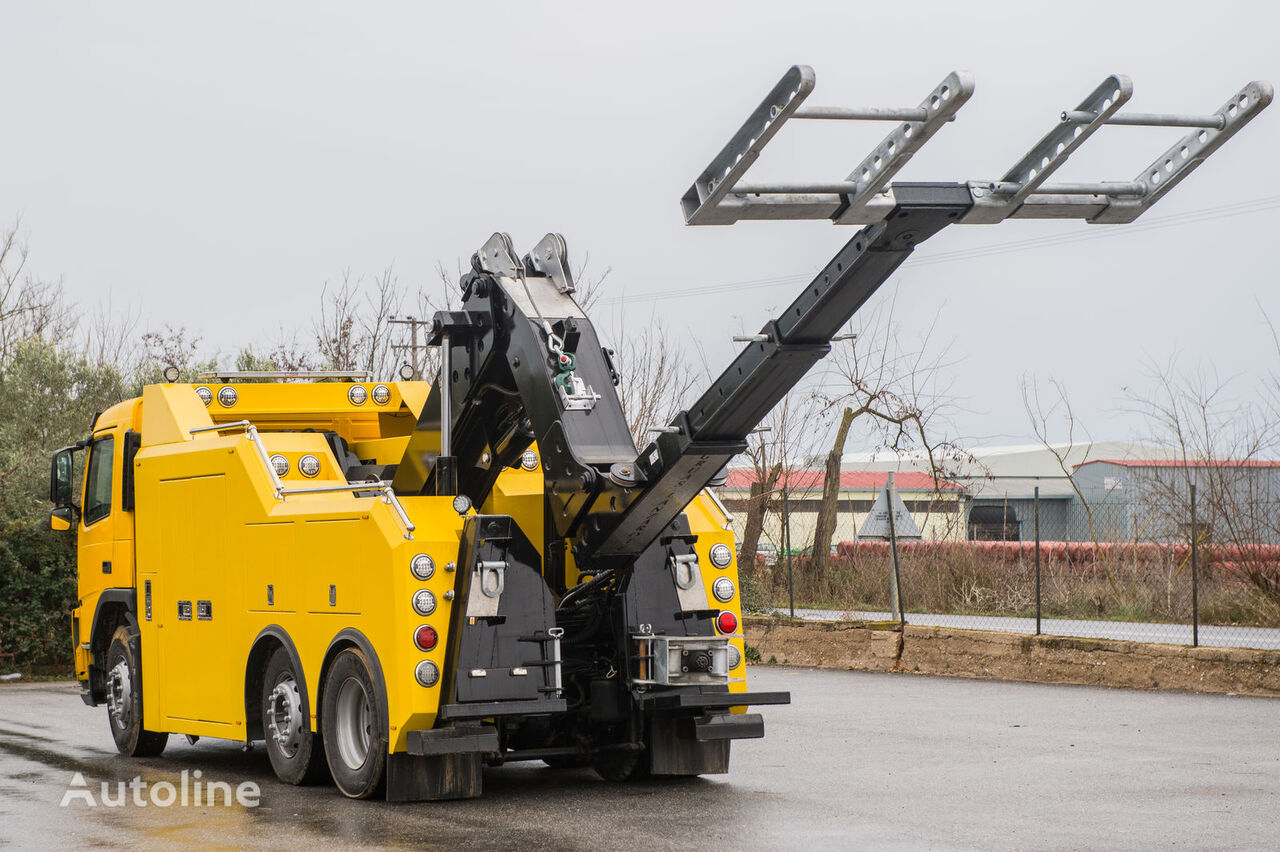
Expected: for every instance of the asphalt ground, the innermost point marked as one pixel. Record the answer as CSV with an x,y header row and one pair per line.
x,y
858,761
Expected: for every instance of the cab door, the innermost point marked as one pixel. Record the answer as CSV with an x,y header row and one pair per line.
x,y
95,558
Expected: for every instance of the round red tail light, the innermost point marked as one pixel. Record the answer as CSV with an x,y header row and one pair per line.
x,y
425,637
727,622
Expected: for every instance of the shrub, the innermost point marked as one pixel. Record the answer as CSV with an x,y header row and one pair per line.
x,y
37,593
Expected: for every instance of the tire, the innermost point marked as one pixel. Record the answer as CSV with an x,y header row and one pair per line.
x,y
124,698
296,753
351,720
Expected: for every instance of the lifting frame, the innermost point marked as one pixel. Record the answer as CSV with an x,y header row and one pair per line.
x,y
719,197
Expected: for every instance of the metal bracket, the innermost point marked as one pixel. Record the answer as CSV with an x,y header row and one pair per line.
x,y
483,598
1182,158
580,398
681,660
993,202
498,256
550,257
687,576
720,197
686,564
496,569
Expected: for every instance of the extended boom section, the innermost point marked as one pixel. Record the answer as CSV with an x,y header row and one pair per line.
x,y
702,440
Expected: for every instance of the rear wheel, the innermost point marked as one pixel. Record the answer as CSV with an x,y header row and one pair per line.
x,y
297,754
351,718
124,698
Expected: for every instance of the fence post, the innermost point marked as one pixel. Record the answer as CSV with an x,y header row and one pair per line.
x,y
786,537
1036,517
1195,580
895,580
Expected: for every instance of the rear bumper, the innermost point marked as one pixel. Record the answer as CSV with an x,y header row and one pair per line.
x,y
492,709
677,701
463,739
722,726
706,718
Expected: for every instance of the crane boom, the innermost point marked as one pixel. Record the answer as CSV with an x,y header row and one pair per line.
x,y
533,367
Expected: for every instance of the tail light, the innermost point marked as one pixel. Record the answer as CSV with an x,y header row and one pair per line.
x,y
727,622
425,637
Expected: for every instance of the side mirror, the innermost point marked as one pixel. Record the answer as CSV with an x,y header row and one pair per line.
x,y
62,478
62,518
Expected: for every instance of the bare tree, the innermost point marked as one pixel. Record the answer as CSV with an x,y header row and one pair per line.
x,y
1221,444
1051,412
110,337
588,288
656,379
897,396
353,330
171,347
774,451
29,307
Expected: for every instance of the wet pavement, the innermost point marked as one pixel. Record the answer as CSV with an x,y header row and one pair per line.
x,y
858,761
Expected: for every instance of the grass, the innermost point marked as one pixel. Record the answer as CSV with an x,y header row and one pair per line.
x,y
1154,586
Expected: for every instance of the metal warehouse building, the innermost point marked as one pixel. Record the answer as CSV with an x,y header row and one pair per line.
x,y
938,508
1000,482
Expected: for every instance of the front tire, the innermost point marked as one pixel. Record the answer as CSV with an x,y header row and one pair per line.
x,y
351,719
297,754
124,698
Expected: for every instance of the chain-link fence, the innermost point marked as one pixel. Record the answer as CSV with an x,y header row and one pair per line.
x,y
1166,571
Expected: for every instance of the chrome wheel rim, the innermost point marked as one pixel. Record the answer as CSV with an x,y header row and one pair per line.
x,y
120,695
353,723
284,716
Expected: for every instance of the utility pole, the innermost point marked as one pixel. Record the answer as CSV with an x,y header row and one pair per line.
x,y
786,537
415,346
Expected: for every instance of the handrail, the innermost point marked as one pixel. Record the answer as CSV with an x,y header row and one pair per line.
x,y
221,427
388,496
251,432
728,518
229,375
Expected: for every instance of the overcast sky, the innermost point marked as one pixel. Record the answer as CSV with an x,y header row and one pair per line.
x,y
216,167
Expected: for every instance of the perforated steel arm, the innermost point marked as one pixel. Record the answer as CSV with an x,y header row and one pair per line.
x,y
720,196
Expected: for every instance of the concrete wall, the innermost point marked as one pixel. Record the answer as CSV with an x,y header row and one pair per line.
x,y
1009,656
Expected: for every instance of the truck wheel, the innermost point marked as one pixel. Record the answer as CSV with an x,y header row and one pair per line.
x,y
351,719
297,754
124,698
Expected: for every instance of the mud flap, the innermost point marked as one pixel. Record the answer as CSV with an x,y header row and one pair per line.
x,y
425,778
672,754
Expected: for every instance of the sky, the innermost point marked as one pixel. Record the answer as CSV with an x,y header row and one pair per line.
x,y
212,167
